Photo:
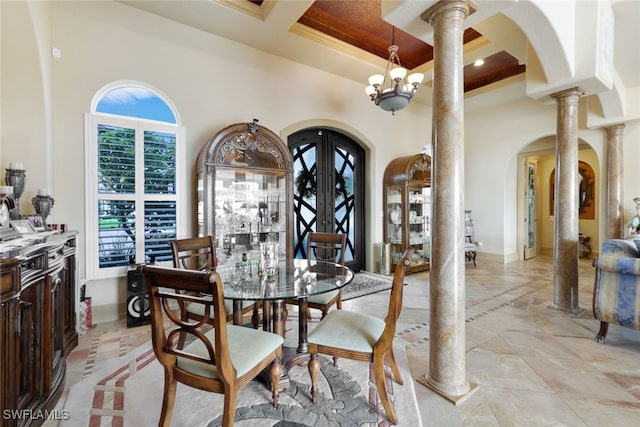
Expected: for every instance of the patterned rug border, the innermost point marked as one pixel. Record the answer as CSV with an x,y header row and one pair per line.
x,y
366,283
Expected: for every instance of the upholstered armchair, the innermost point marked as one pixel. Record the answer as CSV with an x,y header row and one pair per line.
x,y
616,293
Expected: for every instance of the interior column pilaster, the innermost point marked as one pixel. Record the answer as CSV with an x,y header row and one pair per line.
x,y
447,350
566,230
615,223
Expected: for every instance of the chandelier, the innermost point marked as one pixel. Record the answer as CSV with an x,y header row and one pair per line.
x,y
393,90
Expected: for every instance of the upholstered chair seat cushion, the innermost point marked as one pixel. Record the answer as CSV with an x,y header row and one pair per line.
x,y
247,347
348,330
323,298
470,247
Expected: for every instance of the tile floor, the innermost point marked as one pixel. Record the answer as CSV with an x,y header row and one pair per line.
x,y
535,366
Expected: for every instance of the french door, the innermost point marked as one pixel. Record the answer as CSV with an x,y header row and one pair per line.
x,y
328,190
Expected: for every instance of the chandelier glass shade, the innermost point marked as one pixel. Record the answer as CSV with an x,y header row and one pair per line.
x,y
393,90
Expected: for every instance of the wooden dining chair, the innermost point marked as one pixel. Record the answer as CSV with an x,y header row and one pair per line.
x,y
221,359
199,253
328,247
362,337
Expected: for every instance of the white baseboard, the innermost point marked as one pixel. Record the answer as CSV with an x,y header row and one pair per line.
x,y
108,313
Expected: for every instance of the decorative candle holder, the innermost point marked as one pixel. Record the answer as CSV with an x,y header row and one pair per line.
x,y
16,178
43,205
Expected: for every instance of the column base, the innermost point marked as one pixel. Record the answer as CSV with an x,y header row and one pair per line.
x,y
568,310
456,399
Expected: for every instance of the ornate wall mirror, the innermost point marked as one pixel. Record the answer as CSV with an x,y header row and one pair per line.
x,y
586,191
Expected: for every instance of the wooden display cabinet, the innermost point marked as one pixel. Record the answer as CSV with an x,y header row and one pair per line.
x,y
245,192
407,209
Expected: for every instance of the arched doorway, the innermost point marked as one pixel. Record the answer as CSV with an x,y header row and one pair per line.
x,y
537,163
329,190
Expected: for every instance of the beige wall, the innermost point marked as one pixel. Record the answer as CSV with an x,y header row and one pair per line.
x,y
25,72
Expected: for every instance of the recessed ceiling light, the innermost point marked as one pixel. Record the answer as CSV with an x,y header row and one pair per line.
x,y
479,62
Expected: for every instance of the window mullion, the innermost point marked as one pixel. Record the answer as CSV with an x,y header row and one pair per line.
x,y
140,193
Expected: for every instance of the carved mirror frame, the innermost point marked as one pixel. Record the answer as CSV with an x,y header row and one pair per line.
x,y
586,191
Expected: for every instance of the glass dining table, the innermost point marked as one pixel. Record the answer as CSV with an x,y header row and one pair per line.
x,y
294,279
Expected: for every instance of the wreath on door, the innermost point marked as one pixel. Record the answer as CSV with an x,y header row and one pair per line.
x,y
306,185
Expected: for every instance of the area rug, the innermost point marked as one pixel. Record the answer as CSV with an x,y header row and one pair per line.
x,y
365,283
130,394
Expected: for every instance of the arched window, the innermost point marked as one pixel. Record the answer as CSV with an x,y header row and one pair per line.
x,y
133,175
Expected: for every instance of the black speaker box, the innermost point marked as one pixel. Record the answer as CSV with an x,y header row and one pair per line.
x,y
138,309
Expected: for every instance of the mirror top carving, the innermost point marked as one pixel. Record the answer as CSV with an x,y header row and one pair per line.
x,y
246,145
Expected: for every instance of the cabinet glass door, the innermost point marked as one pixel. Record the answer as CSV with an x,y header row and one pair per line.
x,y
250,207
420,224
395,221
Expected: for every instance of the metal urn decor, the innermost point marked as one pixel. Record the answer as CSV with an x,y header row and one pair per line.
x,y
43,203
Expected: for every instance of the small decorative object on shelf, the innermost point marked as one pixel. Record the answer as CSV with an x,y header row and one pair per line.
x,y
43,203
7,203
37,222
62,228
268,258
15,177
22,226
634,223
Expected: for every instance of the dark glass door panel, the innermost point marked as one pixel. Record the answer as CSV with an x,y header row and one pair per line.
x,y
328,190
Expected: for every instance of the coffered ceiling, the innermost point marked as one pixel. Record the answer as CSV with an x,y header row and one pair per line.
x,y
350,38
359,23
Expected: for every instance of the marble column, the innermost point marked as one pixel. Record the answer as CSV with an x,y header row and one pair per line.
x,y
565,233
447,371
615,222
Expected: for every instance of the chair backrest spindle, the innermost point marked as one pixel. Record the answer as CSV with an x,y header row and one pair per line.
x,y
329,247
197,253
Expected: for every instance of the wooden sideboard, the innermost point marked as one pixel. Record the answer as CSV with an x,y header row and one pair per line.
x,y
37,325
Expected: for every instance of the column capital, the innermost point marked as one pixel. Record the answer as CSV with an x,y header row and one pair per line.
x,y
466,6
574,91
613,129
